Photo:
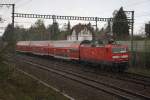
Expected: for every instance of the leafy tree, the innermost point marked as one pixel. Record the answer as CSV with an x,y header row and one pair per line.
x,y
108,28
120,24
62,35
89,27
147,29
35,32
33,35
8,35
39,30
68,26
21,34
0,19
53,31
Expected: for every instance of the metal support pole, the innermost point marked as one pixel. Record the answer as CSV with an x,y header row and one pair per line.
x,y
54,22
13,20
54,18
132,26
13,12
94,34
12,40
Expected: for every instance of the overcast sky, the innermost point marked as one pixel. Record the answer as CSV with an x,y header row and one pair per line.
x,y
93,8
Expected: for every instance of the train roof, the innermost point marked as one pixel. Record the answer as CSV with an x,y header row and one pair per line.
x,y
23,42
66,43
60,43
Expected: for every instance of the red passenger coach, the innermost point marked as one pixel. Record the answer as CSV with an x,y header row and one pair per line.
x,y
66,49
58,49
23,46
40,47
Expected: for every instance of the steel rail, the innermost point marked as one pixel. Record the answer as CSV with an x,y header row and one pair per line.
x,y
84,80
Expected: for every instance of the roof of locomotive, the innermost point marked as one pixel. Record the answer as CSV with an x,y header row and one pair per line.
x,y
102,43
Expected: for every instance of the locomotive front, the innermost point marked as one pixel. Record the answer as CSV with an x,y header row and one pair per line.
x,y
120,56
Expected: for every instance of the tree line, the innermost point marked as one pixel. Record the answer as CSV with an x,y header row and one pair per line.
x,y
38,31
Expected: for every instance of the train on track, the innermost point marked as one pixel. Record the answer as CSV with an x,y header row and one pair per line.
x,y
102,53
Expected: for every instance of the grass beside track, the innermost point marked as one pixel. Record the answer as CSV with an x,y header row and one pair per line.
x,y
18,86
141,71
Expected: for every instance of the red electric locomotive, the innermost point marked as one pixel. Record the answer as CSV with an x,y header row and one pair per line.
x,y
98,52
108,54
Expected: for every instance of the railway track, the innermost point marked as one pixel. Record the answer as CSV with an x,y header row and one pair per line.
x,y
94,83
42,82
130,77
138,77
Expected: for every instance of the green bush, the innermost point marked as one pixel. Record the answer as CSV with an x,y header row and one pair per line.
x,y
4,71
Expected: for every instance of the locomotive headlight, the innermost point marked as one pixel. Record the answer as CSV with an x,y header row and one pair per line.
x,y
115,57
124,56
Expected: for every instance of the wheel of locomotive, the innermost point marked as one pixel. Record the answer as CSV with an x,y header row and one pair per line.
x,y
122,68
101,66
115,68
107,68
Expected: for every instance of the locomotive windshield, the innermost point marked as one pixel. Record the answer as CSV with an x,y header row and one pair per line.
x,y
119,50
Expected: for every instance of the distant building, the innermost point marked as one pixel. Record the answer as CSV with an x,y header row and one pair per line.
x,y
81,32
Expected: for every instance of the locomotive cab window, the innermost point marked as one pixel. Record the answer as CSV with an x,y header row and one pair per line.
x,y
119,50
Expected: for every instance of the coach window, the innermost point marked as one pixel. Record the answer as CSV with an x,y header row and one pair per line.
x,y
73,50
119,50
